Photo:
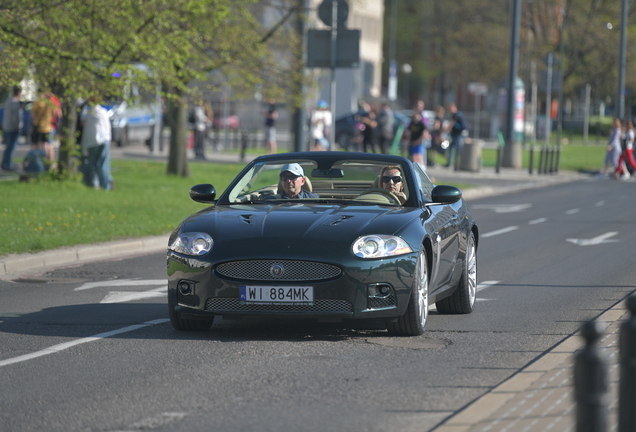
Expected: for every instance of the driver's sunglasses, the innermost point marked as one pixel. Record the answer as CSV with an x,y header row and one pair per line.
x,y
285,177
396,179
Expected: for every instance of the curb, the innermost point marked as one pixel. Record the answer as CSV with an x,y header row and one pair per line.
x,y
13,264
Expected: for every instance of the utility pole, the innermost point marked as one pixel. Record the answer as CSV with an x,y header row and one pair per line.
x,y
620,97
512,149
299,115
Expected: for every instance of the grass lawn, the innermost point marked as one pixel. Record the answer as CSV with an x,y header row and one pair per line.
x,y
43,215
583,158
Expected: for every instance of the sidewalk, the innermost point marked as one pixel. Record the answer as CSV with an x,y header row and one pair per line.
x,y
540,397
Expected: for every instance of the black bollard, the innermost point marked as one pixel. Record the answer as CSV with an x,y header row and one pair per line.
x,y
627,384
551,162
531,160
591,382
244,141
541,161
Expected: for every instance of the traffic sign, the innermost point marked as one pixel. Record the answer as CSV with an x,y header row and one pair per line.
x,y
325,12
477,89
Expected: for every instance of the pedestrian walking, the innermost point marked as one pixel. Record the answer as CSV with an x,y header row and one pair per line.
x,y
320,123
613,153
369,121
200,128
417,134
458,128
626,163
43,112
11,126
385,127
438,136
96,137
270,127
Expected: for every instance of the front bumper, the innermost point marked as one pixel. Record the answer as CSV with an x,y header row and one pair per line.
x,y
372,289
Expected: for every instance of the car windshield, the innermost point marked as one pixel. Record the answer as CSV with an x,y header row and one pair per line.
x,y
350,181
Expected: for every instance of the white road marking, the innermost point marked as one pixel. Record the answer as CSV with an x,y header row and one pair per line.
x,y
503,208
501,231
603,238
486,284
480,287
600,203
537,221
573,211
121,282
126,296
66,345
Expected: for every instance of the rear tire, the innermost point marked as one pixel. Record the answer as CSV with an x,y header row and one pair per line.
x,y
413,322
462,301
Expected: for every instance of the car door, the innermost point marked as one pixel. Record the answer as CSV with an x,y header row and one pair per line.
x,y
443,224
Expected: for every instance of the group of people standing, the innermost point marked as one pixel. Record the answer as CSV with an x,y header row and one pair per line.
x,y
46,113
620,150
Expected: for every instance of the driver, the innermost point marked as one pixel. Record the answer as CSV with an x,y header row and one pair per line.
x,y
292,179
391,180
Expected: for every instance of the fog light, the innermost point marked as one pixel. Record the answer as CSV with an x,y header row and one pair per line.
x,y
185,288
379,291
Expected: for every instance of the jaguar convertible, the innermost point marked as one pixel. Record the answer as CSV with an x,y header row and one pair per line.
x,y
333,236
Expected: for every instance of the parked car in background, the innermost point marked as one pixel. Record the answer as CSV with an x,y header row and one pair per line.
x,y
131,123
232,122
348,128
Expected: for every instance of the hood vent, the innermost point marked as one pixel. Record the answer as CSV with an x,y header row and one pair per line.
x,y
338,220
248,219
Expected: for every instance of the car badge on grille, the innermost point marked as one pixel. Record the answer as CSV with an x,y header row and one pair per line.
x,y
276,270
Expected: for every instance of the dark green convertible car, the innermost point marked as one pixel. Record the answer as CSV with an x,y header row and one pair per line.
x,y
324,235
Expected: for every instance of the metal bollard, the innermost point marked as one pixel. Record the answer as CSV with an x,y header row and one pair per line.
x,y
591,382
531,160
244,140
627,384
541,162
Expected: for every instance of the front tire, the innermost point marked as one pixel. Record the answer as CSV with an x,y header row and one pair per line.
x,y
462,301
182,324
413,322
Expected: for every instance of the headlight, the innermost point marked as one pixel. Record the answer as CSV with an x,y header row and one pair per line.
x,y
378,246
196,244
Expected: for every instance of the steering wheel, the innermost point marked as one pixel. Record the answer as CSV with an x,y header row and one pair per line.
x,y
388,194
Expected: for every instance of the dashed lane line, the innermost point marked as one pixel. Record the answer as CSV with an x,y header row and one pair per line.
x,y
66,345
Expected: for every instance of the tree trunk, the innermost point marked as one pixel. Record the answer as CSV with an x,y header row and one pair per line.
x,y
178,157
68,144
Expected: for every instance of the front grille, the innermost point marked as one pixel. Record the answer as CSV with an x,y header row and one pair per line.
x,y
381,303
187,300
219,305
281,270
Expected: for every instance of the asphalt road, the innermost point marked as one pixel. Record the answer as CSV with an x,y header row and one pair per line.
x,y
89,348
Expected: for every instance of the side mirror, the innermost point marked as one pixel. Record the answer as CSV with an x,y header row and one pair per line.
x,y
445,194
203,193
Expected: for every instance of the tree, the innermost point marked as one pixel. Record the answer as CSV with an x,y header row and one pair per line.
x,y
75,47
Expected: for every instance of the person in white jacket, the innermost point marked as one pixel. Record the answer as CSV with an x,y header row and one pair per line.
x,y
95,145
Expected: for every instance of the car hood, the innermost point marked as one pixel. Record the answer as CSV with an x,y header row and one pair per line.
x,y
293,230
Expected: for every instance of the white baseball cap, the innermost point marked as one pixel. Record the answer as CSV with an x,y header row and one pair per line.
x,y
293,168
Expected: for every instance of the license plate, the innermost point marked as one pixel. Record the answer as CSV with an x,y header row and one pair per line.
x,y
275,295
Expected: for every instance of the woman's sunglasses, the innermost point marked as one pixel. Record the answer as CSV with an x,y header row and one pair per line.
x,y
396,179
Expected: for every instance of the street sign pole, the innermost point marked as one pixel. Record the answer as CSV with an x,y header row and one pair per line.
x,y
334,39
